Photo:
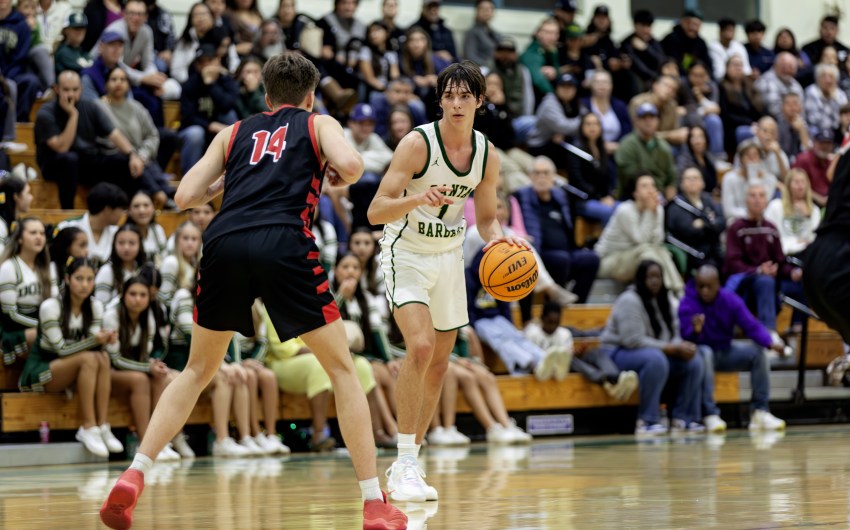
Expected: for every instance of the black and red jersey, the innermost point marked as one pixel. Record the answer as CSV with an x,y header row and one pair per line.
x,y
273,173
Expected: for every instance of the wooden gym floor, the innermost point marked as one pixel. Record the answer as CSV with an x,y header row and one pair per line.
x,y
740,481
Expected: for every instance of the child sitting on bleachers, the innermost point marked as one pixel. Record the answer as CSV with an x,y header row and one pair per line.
x,y
598,368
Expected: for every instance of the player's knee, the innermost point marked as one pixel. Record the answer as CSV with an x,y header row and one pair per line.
x,y
420,353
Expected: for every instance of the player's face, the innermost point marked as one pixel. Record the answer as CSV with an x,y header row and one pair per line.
x,y
137,298
79,246
141,209
459,104
33,238
189,242
362,245
348,269
81,282
127,246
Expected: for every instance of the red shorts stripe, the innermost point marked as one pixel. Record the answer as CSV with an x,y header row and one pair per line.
x,y
331,312
312,255
323,287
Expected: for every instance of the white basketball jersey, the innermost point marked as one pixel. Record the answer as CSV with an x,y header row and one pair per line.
x,y
430,229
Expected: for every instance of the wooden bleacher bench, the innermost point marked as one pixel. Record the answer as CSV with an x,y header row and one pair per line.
x,y
169,220
22,412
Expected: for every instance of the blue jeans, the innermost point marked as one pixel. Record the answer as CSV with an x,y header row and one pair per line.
x,y
580,265
743,132
519,354
757,290
714,128
655,371
748,357
596,210
522,127
194,140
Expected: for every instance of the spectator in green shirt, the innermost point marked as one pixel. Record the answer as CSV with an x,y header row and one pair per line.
x,y
70,54
643,152
541,57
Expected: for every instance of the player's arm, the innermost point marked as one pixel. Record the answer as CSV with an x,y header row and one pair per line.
x,y
205,180
409,159
344,160
485,199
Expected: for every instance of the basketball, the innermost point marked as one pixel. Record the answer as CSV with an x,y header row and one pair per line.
x,y
508,272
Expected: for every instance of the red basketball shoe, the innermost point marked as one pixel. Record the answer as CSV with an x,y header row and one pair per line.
x,y
117,510
381,515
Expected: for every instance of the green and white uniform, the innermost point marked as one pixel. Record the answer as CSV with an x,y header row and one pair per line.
x,y
52,344
421,253
20,296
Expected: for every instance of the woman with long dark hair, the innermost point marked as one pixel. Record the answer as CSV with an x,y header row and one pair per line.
x,y
696,155
642,334
69,354
70,242
128,255
740,103
596,177
15,199
26,280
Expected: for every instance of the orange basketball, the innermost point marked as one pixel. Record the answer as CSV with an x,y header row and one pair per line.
x,y
508,272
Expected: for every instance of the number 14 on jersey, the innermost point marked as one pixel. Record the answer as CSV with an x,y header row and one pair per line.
x,y
267,143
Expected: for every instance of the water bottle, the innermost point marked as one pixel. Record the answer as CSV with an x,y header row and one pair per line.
x,y
44,432
132,444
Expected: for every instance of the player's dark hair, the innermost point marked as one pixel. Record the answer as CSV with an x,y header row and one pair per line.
x,y
125,326
115,260
457,75
61,245
105,195
360,299
288,78
662,300
10,186
75,265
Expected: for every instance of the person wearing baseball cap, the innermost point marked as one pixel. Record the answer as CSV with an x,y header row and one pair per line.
x,y
643,151
376,157
110,52
70,54
684,43
565,12
558,118
815,161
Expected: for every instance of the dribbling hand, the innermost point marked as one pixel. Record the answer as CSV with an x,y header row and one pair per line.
x,y
510,240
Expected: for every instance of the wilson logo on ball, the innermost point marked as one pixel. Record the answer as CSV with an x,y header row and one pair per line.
x,y
508,272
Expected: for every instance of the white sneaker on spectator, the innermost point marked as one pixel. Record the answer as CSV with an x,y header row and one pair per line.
x,y
405,480
520,436
497,434
714,424
457,437
763,420
252,446
272,444
610,389
93,440
167,454
683,427
109,439
649,429
440,437
229,448
182,446
547,366
627,383
562,365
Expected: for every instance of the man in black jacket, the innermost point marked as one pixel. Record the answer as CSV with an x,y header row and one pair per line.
x,y
207,104
643,49
442,38
684,43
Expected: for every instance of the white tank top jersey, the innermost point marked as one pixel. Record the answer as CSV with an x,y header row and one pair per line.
x,y
430,229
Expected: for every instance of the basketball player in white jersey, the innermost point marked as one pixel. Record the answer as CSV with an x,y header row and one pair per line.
x,y
420,200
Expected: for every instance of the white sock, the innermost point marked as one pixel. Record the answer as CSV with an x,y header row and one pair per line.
x,y
407,445
370,489
141,463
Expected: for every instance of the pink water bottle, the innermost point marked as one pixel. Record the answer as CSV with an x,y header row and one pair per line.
x,y
44,432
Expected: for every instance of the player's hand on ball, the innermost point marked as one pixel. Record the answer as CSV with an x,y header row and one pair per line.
x,y
510,240
434,196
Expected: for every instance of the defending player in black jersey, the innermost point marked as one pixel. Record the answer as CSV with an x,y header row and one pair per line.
x,y
260,245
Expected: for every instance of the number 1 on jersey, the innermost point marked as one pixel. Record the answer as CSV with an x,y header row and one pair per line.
x,y
266,143
443,211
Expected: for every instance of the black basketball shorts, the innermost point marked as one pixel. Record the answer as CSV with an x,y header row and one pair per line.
x,y
279,264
